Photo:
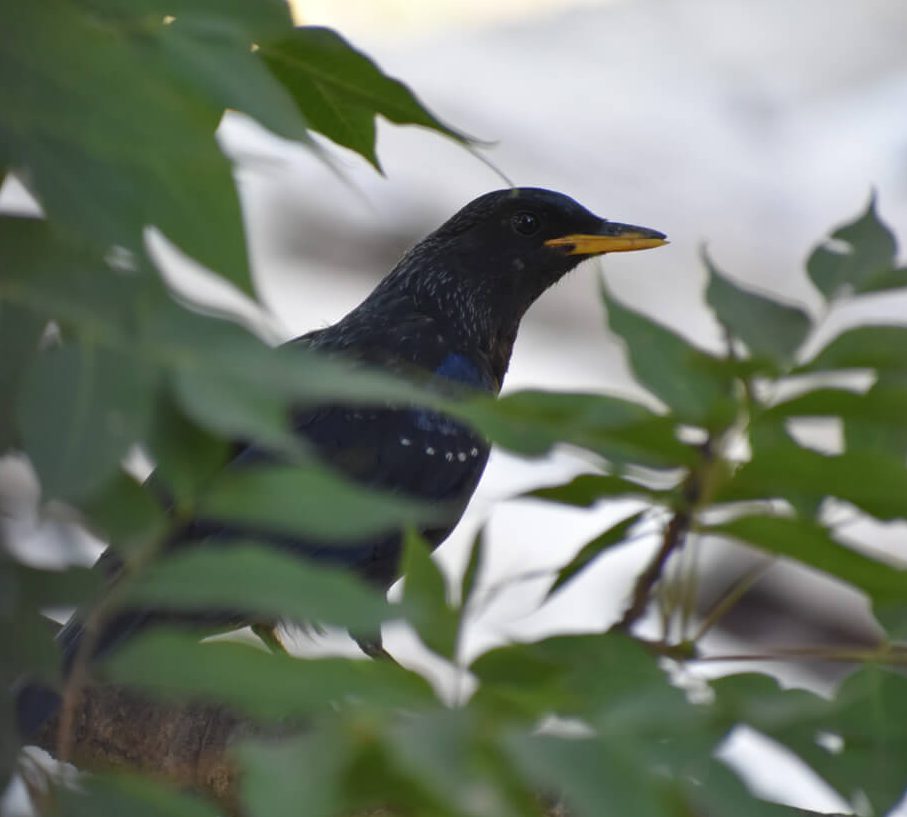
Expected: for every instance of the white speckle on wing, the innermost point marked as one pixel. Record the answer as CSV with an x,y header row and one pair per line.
x,y
405,441
449,456
430,451
474,452
461,456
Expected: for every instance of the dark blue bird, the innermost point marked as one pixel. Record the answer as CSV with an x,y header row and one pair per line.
x,y
449,311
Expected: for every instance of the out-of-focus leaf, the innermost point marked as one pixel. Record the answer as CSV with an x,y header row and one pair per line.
x,y
187,457
613,536
589,489
811,544
590,772
340,90
608,680
531,422
769,328
874,482
473,567
425,598
111,795
695,385
214,55
259,581
263,18
307,769
81,408
20,332
126,515
308,501
864,266
864,347
893,618
70,96
867,713
451,753
258,683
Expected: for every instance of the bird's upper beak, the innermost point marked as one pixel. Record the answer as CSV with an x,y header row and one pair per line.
x,y
610,237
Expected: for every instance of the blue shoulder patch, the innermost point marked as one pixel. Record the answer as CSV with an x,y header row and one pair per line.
x,y
460,369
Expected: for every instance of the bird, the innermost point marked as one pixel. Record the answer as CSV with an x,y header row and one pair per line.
x,y
449,312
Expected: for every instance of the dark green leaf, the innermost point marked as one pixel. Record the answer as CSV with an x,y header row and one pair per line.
x,y
473,567
695,385
187,457
531,422
97,168
893,618
867,713
262,18
81,408
589,772
613,536
20,332
425,598
874,482
768,327
340,90
883,348
309,769
118,795
214,56
259,582
308,501
271,686
811,544
609,680
863,266
589,489
127,515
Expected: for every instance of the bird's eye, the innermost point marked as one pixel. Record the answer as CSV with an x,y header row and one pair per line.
x,y
526,223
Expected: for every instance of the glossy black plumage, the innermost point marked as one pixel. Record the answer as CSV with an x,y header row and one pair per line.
x,y
448,312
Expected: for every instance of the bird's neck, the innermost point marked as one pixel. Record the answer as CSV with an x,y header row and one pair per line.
x,y
465,310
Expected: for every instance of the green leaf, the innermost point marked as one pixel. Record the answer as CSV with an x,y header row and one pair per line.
x,y
589,772
864,266
867,713
109,795
695,385
531,422
866,347
109,142
20,332
577,676
615,535
259,581
187,457
127,515
587,490
812,544
425,598
214,55
874,482
308,769
769,328
309,501
473,568
340,90
263,18
264,685
81,409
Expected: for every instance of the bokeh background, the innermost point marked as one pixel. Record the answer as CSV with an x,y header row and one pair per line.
x,y
746,126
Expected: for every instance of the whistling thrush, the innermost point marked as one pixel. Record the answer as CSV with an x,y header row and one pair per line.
x,y
450,309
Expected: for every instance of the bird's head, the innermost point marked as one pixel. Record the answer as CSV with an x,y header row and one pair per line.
x,y
490,261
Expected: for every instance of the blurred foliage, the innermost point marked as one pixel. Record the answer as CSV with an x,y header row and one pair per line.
x,y
110,110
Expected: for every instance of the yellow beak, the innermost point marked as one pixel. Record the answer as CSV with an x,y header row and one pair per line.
x,y
612,237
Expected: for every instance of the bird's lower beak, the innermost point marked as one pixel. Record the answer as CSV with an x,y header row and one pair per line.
x,y
611,237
